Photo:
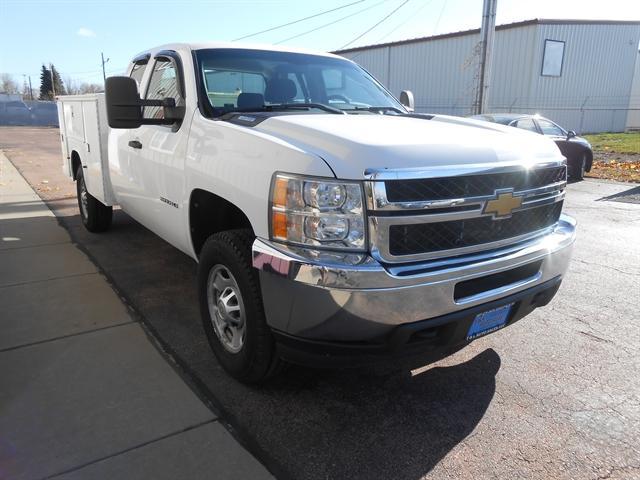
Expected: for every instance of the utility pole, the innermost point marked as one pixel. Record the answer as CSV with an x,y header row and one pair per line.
x,y
487,32
30,89
53,83
104,75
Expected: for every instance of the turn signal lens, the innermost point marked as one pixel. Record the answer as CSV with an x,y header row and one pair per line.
x,y
280,192
279,225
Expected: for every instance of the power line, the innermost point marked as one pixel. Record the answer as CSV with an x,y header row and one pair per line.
x,y
401,24
330,23
404,22
435,28
297,21
380,22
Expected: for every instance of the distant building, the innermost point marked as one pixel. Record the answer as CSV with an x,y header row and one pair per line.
x,y
577,72
633,118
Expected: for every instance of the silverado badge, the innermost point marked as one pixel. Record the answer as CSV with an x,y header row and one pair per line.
x,y
503,205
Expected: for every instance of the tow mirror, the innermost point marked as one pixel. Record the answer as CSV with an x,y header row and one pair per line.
x,y
124,106
406,99
571,134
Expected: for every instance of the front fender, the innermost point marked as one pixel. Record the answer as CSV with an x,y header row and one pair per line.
x,y
236,163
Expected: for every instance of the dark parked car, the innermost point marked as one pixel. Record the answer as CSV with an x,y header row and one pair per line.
x,y
575,148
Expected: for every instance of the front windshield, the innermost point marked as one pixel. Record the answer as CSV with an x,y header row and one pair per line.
x,y
254,80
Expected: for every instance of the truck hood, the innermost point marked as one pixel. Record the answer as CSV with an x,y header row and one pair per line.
x,y
355,144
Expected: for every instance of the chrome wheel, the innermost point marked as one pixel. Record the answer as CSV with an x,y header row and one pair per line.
x,y
84,199
226,308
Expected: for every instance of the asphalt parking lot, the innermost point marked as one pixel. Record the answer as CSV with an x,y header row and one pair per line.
x,y
557,395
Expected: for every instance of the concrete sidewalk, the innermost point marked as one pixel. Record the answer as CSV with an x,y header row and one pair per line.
x,y
83,391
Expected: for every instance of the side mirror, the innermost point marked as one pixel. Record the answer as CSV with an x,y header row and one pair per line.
x,y
124,106
571,134
406,99
124,109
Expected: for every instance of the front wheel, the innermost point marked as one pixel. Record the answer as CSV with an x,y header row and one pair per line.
x,y
231,308
579,168
96,217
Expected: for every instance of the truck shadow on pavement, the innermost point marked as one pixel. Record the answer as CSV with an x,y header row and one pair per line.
x,y
309,424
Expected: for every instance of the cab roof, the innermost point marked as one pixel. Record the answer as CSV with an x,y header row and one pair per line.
x,y
236,45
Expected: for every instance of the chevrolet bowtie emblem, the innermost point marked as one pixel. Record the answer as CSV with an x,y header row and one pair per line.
x,y
503,205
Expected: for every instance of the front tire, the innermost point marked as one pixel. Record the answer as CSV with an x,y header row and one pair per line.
x,y
231,308
579,168
96,217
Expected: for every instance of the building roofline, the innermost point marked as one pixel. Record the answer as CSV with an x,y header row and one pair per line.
x,y
506,26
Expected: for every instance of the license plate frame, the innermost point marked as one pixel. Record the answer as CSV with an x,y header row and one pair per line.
x,y
489,321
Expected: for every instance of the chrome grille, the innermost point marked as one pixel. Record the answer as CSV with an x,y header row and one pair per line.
x,y
471,185
439,216
434,237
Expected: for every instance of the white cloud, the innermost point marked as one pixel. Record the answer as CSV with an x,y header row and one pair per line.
x,y
85,32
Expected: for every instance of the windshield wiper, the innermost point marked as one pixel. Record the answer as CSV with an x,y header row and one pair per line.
x,y
286,106
320,106
376,109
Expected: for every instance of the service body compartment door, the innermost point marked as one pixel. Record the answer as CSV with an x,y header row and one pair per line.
x,y
84,132
66,155
92,157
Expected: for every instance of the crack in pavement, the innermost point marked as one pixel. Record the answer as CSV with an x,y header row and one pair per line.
x,y
609,267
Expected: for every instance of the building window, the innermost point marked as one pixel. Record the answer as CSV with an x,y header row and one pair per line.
x,y
552,58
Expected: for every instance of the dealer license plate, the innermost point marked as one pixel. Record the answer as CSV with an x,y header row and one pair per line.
x,y
489,321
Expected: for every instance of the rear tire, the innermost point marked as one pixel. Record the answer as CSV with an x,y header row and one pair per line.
x,y
96,217
231,308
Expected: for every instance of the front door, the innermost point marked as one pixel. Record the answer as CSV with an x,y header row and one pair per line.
x,y
158,154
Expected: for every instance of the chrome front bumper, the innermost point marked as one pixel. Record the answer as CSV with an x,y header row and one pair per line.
x,y
355,298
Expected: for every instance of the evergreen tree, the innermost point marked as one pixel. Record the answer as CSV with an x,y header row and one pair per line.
x,y
46,87
57,82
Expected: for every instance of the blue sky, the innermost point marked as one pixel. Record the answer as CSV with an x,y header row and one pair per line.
x,y
72,33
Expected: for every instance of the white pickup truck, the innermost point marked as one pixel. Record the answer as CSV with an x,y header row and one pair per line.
x,y
331,225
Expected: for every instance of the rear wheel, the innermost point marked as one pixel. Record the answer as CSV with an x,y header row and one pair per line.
x,y
96,217
231,308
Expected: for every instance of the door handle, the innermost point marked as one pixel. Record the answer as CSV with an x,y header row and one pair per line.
x,y
135,144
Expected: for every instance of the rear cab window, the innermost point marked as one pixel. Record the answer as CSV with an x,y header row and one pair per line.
x,y
224,86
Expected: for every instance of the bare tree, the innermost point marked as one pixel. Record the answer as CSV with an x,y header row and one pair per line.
x,y
8,84
73,87
91,88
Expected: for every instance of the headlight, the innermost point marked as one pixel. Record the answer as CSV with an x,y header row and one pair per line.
x,y
318,213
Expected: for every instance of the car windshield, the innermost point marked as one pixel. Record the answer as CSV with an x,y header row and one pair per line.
x,y
255,80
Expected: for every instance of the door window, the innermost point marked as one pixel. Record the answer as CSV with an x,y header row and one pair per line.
x,y
526,124
138,71
163,84
550,128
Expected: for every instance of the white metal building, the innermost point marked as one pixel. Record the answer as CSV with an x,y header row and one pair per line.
x,y
577,72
